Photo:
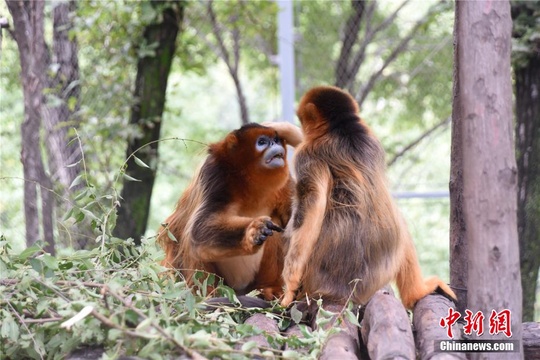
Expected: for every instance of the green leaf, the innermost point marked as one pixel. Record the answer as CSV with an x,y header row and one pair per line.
x,y
76,181
351,317
190,302
9,329
249,345
74,164
144,324
130,178
25,254
296,314
171,236
50,261
291,354
140,162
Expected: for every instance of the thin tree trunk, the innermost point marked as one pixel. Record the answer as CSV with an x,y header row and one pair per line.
x,y
352,28
150,88
28,32
527,80
489,167
527,90
458,245
64,84
232,60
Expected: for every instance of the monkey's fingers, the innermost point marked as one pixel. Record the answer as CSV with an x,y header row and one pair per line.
x,y
270,225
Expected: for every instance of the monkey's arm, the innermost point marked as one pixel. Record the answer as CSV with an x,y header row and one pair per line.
x,y
308,216
291,133
224,235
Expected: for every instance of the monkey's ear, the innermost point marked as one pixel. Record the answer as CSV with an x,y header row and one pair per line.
x,y
309,113
231,141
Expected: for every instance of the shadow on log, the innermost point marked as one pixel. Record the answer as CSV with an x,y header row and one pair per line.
x,y
427,313
386,328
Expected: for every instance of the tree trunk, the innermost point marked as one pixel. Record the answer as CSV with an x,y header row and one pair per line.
x,y
527,82
344,74
489,167
64,84
458,245
150,88
28,32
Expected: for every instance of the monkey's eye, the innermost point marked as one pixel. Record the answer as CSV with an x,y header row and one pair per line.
x,y
262,141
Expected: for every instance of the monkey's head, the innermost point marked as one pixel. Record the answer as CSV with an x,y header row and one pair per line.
x,y
253,151
326,107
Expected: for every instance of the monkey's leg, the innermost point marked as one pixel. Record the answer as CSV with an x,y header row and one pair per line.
x,y
226,235
307,221
412,286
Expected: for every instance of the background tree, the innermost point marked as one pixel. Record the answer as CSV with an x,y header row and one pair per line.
x,y
38,86
526,63
483,45
28,22
159,44
234,31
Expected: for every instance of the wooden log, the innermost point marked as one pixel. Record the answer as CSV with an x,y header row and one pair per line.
x,y
386,329
531,340
267,325
344,345
426,316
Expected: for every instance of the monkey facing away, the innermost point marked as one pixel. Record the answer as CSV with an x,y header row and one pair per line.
x,y
226,219
347,237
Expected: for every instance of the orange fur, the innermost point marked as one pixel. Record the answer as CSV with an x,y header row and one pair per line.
x,y
227,221
347,237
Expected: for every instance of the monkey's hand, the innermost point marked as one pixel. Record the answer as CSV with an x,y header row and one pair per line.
x,y
258,231
291,133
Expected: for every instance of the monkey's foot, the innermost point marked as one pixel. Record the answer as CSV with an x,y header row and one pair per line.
x,y
288,298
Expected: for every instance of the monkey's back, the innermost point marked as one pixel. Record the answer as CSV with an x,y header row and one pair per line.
x,y
358,245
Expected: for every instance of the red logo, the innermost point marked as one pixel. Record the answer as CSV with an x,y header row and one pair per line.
x,y
499,322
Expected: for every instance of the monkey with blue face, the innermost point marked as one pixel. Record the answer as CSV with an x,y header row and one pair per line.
x,y
228,220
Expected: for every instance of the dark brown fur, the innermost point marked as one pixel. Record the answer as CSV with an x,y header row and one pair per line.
x,y
226,220
347,238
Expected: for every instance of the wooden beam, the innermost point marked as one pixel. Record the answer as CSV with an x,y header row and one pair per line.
x,y
426,316
386,328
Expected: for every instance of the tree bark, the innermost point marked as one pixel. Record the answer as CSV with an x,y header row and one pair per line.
x,y
386,329
28,20
489,166
150,88
458,245
64,85
527,87
427,313
527,82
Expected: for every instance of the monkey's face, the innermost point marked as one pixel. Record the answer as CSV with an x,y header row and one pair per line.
x,y
272,150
